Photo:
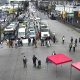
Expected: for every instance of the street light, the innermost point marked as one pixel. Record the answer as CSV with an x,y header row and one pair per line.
x,y
13,9
0,32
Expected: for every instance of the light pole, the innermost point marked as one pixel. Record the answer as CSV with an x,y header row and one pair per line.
x,y
0,32
13,9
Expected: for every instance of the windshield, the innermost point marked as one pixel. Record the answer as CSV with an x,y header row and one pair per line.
x,y
43,26
44,30
9,33
32,33
21,33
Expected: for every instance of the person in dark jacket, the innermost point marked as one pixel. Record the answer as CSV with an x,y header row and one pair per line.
x,y
33,41
70,47
74,47
29,41
39,63
79,40
25,62
54,39
71,39
34,60
42,42
76,42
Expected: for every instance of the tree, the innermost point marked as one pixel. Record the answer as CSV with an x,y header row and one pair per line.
x,y
25,5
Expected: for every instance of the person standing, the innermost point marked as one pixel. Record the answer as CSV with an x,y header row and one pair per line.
x,y
34,60
76,42
63,38
25,62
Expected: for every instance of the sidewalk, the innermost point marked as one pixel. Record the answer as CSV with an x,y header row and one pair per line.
x,y
70,25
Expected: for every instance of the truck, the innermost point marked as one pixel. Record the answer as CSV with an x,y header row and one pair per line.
x,y
22,33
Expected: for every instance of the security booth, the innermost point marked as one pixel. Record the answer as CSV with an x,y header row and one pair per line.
x,y
70,18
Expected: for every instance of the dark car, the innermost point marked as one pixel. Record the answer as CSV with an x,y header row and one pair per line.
x,y
52,17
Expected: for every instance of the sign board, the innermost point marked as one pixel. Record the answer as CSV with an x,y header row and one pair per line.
x,y
70,14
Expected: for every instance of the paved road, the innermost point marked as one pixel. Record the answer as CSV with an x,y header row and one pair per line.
x,y
11,66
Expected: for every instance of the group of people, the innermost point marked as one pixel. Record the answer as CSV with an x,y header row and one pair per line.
x,y
9,43
16,43
34,59
46,41
34,42
73,44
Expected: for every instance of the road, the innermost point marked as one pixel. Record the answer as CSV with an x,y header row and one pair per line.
x,y
11,66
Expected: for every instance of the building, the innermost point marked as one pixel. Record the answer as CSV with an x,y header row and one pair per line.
x,y
3,1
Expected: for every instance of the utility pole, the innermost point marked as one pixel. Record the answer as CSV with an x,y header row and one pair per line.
x,y
0,32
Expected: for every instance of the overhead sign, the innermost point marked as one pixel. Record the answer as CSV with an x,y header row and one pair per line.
x,y
70,14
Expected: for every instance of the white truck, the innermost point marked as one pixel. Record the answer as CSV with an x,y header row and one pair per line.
x,y
45,33
22,33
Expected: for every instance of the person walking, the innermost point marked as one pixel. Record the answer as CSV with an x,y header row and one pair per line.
x,y
74,47
39,64
79,40
71,39
76,42
7,41
42,42
54,39
33,41
16,43
25,62
34,60
70,47
29,41
53,53
21,43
